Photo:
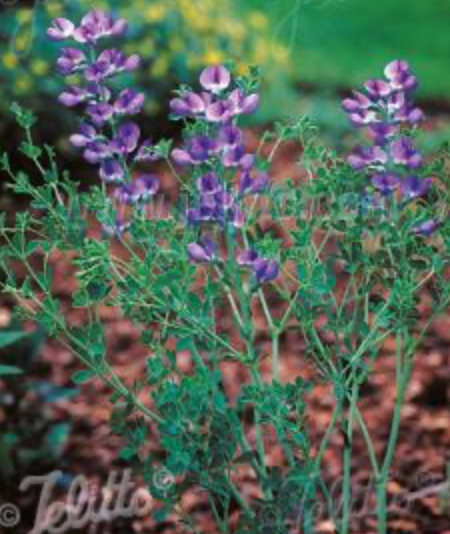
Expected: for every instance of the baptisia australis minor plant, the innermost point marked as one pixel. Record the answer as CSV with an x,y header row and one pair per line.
x,y
337,261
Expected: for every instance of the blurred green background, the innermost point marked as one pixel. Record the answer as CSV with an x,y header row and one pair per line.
x,y
312,52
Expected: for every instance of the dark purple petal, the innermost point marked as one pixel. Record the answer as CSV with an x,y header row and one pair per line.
x,y
236,157
96,152
111,171
209,183
215,78
129,102
253,186
126,139
265,270
230,136
381,132
146,186
385,182
413,187
100,113
61,29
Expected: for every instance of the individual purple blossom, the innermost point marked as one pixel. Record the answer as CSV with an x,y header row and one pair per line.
x,y
221,111
378,88
96,152
111,171
215,79
129,102
96,25
189,104
426,228
202,252
230,136
71,61
403,152
399,75
198,151
242,103
385,182
61,29
265,270
209,184
73,96
237,157
138,191
247,257
362,157
88,134
413,187
100,113
249,185
126,139
146,152
382,132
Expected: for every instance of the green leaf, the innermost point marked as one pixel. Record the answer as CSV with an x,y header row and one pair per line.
x,y
8,338
7,370
82,377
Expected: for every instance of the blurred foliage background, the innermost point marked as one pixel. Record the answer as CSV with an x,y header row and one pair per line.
x,y
311,52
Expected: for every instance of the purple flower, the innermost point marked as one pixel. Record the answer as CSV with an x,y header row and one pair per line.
x,y
403,152
73,96
146,152
409,114
88,134
209,184
188,104
426,228
215,79
265,270
230,136
245,104
413,187
399,76
129,102
247,257
110,63
236,157
111,171
97,152
378,89
126,139
140,190
96,25
381,132
358,103
385,182
61,29
100,113
202,252
198,151
71,60
366,156
221,111
253,186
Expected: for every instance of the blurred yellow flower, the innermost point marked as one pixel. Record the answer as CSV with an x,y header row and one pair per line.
x,y
10,60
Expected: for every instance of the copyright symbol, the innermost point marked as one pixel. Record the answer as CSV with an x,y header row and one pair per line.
x,y
163,480
9,515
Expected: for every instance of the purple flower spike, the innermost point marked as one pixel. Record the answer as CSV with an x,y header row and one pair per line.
x,y
378,89
366,156
71,61
385,183
187,105
413,187
404,153
129,102
215,79
61,29
111,171
202,252
265,270
426,228
247,257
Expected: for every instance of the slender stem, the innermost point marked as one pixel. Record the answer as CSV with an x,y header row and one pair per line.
x,y
348,449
